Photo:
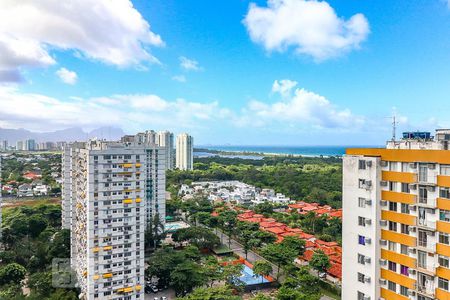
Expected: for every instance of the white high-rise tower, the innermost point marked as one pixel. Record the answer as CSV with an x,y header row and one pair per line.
x,y
165,140
185,152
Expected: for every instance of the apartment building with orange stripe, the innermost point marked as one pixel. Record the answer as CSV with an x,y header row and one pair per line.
x,y
396,219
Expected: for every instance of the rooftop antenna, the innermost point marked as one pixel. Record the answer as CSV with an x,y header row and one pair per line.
x,y
394,124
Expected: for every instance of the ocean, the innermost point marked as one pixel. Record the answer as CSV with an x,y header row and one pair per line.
x,y
297,150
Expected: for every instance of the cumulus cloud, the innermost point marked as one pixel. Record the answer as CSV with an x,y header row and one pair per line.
x,y
179,78
310,27
300,109
189,64
113,32
69,77
283,86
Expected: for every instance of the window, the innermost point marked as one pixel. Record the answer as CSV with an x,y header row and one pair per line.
x,y
392,226
393,206
443,283
445,170
392,286
361,221
361,240
444,215
392,186
403,290
444,238
392,266
404,208
362,164
423,172
444,193
392,246
360,296
404,270
392,166
444,261
405,187
423,194
361,202
362,183
422,259
361,277
404,249
422,216
423,237
361,259
404,167
404,229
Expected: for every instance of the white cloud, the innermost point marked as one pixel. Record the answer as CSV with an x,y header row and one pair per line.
x,y
113,32
310,27
69,77
283,86
189,64
179,78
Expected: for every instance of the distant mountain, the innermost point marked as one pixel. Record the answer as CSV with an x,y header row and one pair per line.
x,y
68,135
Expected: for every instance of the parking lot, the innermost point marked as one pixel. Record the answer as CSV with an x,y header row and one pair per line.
x,y
169,293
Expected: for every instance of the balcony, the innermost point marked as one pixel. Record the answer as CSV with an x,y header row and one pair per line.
x,y
399,176
398,197
398,217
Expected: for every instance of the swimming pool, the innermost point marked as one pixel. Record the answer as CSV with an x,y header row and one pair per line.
x,y
249,278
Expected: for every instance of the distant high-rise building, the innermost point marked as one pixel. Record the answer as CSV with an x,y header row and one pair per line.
x,y
20,145
30,145
185,152
396,219
4,145
111,190
165,140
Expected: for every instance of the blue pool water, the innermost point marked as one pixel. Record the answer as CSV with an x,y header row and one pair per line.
x,y
249,278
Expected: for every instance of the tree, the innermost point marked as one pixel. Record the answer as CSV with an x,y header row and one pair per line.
x,y
212,293
212,270
186,276
12,273
302,285
231,274
154,232
60,244
201,237
262,268
228,220
294,243
320,261
161,264
280,255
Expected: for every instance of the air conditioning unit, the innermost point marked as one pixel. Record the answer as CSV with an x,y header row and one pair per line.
x,y
368,183
411,272
412,207
411,293
412,250
368,241
413,186
367,259
383,183
367,279
412,165
368,221
368,163
431,188
368,202
431,166
384,163
383,281
412,229
383,242
366,297
383,203
383,223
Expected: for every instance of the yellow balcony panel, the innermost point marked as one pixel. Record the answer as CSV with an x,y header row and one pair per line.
x,y
443,249
442,295
137,190
107,248
96,249
443,226
390,295
107,275
443,180
443,203
127,201
119,290
443,272
138,200
398,238
398,258
398,197
398,217
85,274
398,278
127,165
96,277
138,165
138,287
399,176
127,190
403,155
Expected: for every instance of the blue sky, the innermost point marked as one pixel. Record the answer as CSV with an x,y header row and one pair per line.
x,y
283,72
